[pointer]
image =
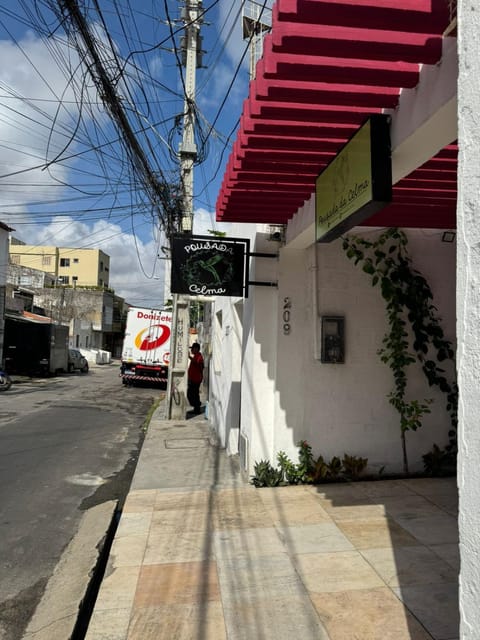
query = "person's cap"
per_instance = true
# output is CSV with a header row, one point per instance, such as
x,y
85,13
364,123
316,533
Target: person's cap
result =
x,y
195,344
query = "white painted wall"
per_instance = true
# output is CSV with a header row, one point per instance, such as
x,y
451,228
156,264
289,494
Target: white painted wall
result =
x,y
259,361
225,370
468,311
241,375
82,329
288,395
343,408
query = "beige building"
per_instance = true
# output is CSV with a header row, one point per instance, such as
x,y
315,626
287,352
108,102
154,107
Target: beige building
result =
x,y
69,266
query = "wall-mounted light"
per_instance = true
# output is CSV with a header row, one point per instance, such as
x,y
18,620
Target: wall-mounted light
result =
x,y
333,339
448,236
277,233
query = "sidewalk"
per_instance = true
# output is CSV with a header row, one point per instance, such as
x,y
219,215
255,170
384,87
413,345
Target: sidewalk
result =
x,y
201,555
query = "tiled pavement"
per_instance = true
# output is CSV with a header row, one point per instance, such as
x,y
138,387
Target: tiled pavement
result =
x,y
200,555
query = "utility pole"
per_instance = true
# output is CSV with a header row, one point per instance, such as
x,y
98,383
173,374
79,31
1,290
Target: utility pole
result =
x,y
188,148
190,51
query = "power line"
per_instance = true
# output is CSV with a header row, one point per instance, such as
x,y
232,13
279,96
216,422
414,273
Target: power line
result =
x,y
133,61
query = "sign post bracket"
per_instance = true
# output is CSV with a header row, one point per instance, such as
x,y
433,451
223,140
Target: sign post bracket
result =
x,y
262,255
257,283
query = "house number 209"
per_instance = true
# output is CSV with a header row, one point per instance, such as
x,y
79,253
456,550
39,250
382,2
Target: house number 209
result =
x,y
287,305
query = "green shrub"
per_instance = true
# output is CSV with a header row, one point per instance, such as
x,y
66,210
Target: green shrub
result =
x,y
308,470
439,462
353,466
288,468
265,475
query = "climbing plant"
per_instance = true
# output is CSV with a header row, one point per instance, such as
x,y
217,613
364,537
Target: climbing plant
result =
x,y
414,329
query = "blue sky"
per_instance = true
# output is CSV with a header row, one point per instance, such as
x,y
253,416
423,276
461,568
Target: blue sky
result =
x,y
64,177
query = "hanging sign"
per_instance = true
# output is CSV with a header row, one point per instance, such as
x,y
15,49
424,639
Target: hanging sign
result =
x,y
357,183
209,265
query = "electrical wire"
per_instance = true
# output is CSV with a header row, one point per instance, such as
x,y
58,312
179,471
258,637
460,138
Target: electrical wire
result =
x,y
103,138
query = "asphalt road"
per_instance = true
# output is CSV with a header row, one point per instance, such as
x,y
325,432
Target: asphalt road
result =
x,y
66,444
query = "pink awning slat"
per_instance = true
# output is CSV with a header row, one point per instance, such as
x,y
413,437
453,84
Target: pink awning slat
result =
x,y
327,66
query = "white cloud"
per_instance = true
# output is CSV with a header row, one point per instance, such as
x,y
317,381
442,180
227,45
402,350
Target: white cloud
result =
x,y
137,265
38,113
136,272
34,129
204,220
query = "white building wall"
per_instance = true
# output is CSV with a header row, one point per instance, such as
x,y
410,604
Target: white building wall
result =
x,y
343,408
287,394
468,311
241,389
259,365
295,348
80,334
225,371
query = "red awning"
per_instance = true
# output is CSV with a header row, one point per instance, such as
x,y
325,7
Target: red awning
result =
x,y
328,65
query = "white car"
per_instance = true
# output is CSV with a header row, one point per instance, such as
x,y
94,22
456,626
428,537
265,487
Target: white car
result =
x,y
77,361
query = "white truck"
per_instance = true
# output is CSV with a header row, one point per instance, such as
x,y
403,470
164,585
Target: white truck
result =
x,y
146,346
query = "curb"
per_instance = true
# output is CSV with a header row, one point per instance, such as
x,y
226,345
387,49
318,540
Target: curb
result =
x,y
56,616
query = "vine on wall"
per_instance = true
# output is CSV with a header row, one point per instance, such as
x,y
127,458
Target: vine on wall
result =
x,y
410,313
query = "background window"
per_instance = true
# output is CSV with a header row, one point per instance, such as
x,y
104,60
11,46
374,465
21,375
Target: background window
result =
x,y
64,262
46,261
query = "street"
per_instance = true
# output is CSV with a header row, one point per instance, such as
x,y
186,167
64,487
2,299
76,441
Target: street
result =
x,y
66,444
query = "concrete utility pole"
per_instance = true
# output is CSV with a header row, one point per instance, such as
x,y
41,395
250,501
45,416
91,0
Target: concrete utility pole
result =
x,y
188,148
177,383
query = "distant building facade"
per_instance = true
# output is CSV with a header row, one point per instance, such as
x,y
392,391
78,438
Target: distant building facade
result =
x,y
95,315
68,266
21,285
96,318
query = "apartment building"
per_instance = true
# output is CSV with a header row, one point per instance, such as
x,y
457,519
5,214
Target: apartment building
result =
x,y
69,266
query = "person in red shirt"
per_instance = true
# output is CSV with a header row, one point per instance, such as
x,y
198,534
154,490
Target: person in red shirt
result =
x,y
195,377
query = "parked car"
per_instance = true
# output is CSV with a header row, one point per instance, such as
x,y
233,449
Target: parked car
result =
x,y
77,361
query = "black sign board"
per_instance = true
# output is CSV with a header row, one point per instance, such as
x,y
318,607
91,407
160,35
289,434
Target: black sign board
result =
x,y
209,266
